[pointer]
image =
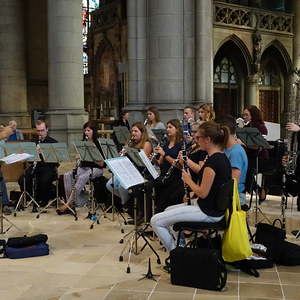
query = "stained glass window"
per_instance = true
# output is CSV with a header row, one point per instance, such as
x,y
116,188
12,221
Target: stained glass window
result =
x,y
87,7
225,72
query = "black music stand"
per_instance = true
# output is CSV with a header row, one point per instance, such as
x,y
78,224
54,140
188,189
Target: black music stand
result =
x,y
122,135
109,150
29,148
55,153
88,152
131,178
251,137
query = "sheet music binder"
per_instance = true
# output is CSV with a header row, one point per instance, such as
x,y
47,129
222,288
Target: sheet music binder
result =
x,y
22,147
88,151
122,134
125,171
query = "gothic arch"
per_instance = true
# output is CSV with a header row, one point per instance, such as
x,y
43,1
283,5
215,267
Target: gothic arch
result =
x,y
243,50
287,62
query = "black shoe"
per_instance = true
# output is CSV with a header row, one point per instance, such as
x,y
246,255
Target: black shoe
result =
x,y
167,267
262,195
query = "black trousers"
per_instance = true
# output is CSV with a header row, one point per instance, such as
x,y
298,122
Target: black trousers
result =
x,y
44,188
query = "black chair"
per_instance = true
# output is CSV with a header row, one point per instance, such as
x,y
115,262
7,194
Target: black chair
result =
x,y
223,202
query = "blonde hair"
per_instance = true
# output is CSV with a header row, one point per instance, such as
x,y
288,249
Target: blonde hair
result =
x,y
208,108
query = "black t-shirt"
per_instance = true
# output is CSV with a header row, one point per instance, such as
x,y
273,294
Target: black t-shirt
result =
x,y
222,168
172,152
196,157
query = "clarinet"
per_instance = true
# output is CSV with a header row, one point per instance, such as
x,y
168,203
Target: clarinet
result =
x,y
170,170
185,167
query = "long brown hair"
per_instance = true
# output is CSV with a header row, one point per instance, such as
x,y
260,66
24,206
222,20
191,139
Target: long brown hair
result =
x,y
92,125
179,132
144,135
154,110
256,114
218,133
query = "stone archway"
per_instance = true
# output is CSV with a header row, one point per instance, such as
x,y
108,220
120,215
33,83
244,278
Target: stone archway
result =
x,y
232,64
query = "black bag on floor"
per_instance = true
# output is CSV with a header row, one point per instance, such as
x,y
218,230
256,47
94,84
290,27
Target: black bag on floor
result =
x,y
272,237
19,242
290,254
198,268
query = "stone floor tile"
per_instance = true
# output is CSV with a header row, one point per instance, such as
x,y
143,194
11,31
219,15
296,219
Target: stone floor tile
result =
x,y
261,290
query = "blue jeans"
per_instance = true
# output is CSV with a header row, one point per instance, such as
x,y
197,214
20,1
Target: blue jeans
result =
x,y
162,222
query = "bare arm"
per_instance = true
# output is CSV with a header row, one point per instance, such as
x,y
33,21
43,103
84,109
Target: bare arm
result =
x,y
203,189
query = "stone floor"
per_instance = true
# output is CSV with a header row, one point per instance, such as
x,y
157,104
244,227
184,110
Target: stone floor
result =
x,y
84,264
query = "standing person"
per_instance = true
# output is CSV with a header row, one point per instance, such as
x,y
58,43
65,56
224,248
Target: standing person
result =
x,y
171,191
44,173
216,171
206,112
153,121
84,171
237,157
253,118
296,134
139,139
124,119
17,134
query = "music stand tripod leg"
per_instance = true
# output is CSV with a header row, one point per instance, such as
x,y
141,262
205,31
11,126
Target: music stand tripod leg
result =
x,y
92,215
3,218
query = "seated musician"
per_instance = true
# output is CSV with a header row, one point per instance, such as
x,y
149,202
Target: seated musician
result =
x,y
139,140
44,173
84,170
171,190
216,170
4,133
237,157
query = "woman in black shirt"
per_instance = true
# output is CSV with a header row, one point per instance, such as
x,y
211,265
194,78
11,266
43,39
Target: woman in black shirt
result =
x,y
216,170
171,191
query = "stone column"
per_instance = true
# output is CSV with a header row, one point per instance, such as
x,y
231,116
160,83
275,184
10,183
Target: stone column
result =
x,y
66,99
252,90
204,51
137,57
13,86
296,48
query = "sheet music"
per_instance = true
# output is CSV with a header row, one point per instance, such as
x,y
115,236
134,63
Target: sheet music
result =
x,y
15,157
124,170
148,164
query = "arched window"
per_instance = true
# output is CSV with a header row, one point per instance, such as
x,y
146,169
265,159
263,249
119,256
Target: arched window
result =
x,y
225,72
269,76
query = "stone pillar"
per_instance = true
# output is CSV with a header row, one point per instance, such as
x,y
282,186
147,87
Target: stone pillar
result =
x,y
137,57
296,48
204,51
66,113
13,86
252,90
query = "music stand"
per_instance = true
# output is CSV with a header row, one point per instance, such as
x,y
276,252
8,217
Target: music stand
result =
x,y
55,153
251,137
30,148
2,217
122,134
130,178
88,152
161,135
109,150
